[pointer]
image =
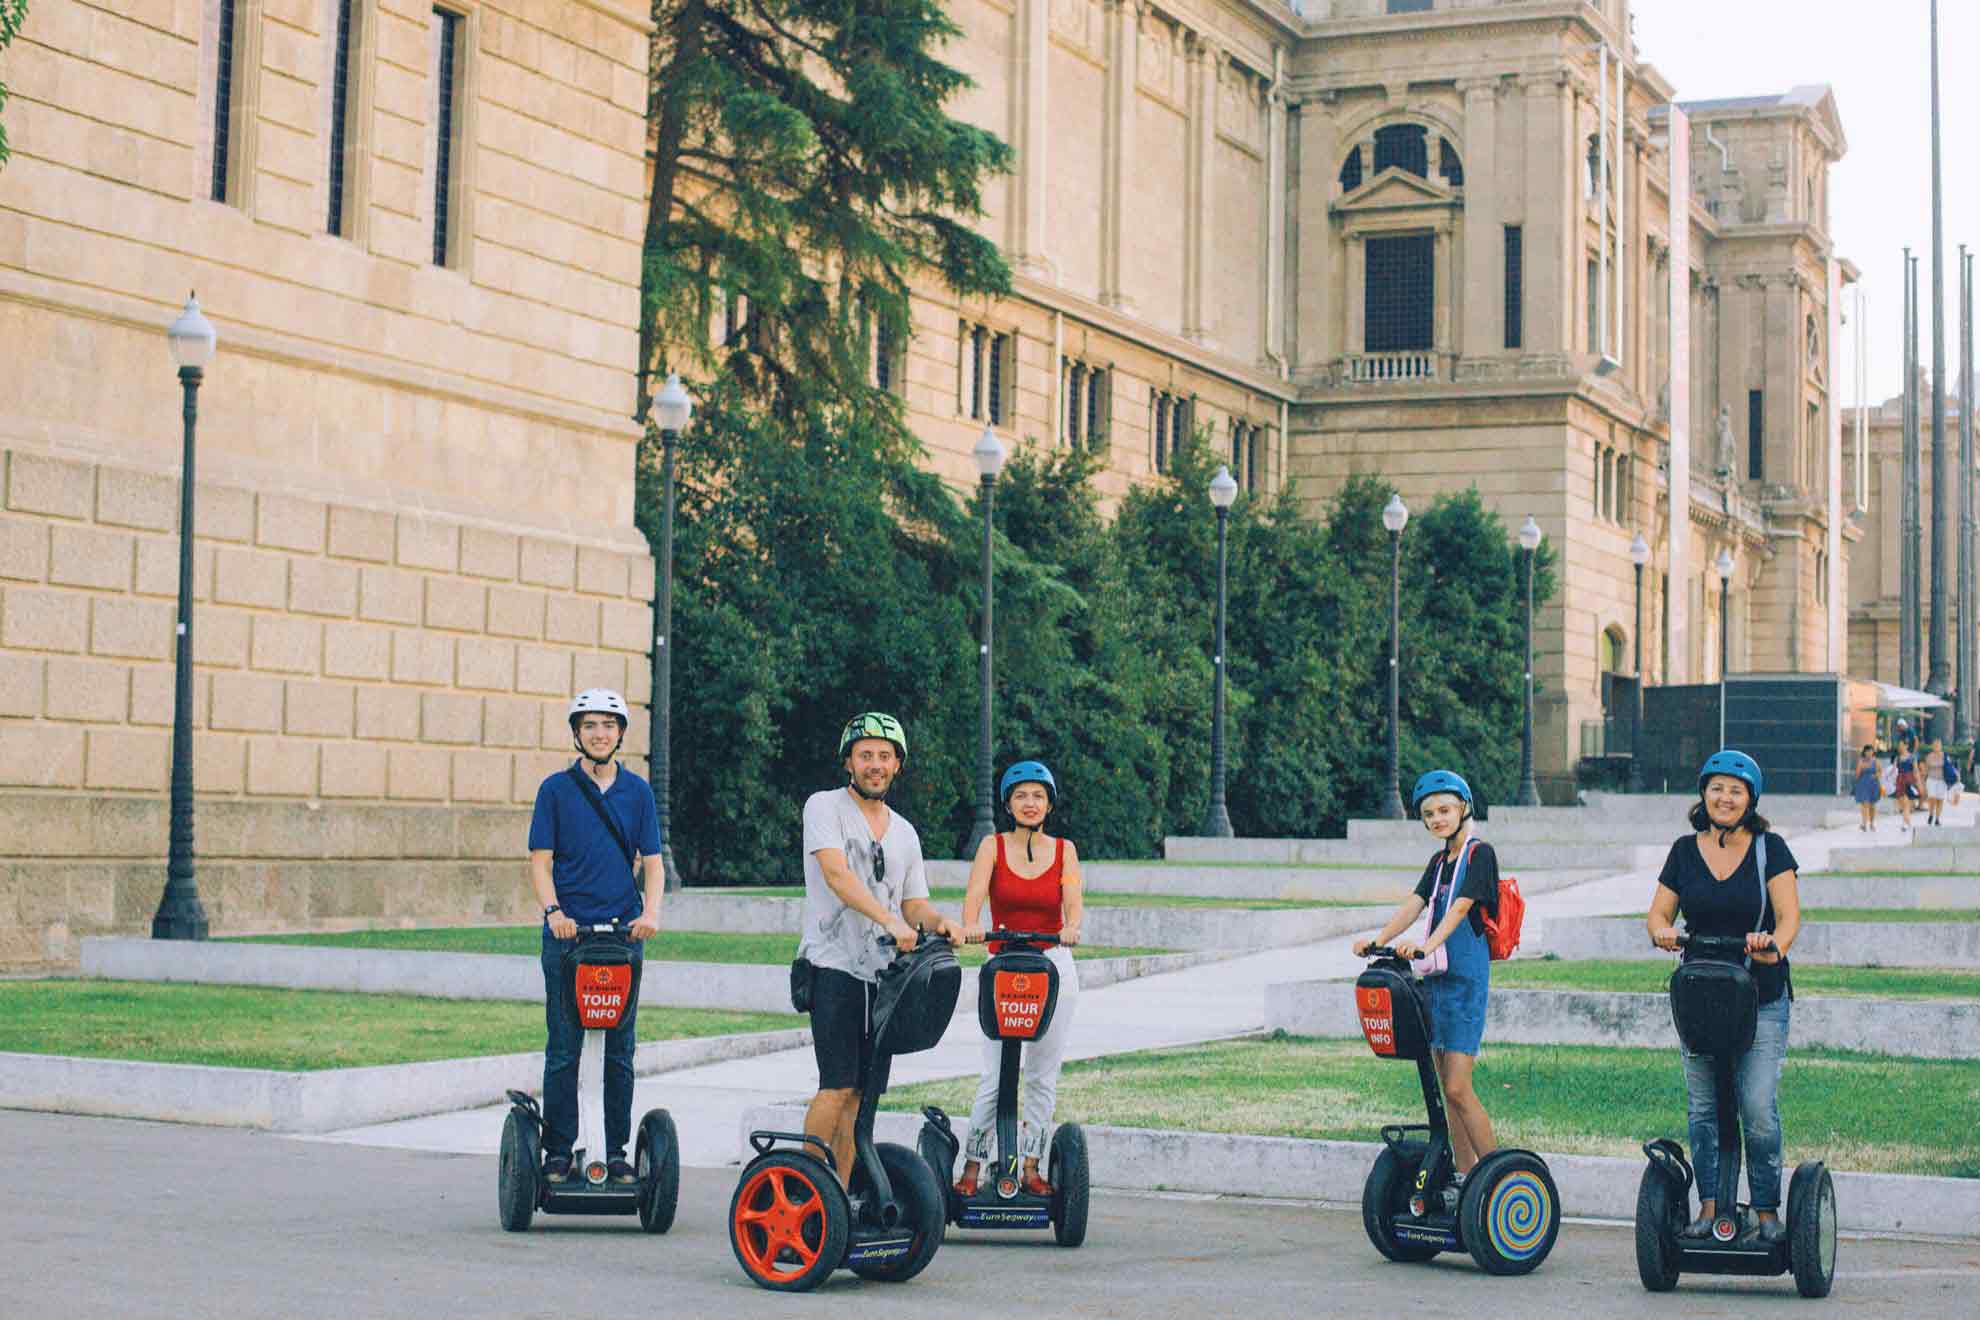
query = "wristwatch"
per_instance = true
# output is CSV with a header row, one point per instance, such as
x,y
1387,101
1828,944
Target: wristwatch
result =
x,y
552,908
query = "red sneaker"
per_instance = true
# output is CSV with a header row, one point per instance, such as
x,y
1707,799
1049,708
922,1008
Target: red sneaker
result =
x,y
966,1186
1036,1185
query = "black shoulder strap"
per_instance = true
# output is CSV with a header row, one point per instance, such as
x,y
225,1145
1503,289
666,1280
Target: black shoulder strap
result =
x,y
597,801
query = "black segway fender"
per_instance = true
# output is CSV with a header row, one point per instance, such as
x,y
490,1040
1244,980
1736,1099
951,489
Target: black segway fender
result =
x,y
939,1146
519,1167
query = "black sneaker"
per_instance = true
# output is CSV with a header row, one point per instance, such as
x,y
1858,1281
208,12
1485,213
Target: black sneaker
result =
x,y
1773,1231
619,1171
556,1168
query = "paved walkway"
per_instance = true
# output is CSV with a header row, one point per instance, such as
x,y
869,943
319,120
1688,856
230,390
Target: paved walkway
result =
x,y
1207,1002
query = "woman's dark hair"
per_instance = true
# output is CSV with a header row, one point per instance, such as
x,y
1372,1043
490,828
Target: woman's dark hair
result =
x,y
1868,750
1752,822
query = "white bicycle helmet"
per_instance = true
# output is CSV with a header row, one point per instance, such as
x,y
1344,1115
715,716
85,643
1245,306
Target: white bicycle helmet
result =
x,y
599,701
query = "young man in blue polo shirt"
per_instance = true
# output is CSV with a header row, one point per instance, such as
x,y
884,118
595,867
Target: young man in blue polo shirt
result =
x,y
589,823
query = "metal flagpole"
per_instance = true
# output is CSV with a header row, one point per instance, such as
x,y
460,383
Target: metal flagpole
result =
x,y
1939,681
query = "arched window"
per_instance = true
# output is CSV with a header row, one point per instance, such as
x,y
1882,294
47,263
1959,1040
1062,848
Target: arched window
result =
x,y
1405,146
1448,163
1612,650
1351,171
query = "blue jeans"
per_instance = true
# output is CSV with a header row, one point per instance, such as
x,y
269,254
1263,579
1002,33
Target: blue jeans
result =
x,y
564,1044
1759,1078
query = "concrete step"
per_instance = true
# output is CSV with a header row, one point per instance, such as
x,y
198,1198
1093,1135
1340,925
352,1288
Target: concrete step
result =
x,y
1127,927
1911,1028
1575,827
1934,857
1838,944
1890,891
1403,855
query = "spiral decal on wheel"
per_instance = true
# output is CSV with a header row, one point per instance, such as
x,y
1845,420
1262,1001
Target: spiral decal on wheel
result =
x,y
1518,1214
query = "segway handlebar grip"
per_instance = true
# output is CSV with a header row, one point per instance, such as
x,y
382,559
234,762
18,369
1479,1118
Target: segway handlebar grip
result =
x,y
1378,951
1722,945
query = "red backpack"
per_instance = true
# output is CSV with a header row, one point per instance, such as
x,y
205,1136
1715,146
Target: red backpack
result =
x,y
1502,931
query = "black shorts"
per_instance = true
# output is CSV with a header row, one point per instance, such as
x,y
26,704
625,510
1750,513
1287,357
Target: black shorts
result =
x,y
841,1015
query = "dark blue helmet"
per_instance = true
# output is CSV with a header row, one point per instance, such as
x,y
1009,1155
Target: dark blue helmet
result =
x,y
1439,781
1028,772
1737,764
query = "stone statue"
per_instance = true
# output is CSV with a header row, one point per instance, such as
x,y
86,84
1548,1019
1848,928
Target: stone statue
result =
x,y
1727,452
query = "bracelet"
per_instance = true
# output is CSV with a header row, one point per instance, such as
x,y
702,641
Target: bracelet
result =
x,y
552,908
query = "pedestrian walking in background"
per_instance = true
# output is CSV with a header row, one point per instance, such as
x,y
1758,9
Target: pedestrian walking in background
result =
x,y
1905,785
1867,788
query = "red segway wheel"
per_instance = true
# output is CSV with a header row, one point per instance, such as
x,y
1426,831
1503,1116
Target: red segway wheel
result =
x,y
789,1221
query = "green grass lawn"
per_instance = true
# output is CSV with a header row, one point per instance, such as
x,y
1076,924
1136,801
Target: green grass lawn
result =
x,y
1856,1111
1651,976
667,946
1881,915
298,1030
1102,898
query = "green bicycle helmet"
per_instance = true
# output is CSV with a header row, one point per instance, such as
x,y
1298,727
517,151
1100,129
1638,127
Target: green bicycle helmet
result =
x,y
873,724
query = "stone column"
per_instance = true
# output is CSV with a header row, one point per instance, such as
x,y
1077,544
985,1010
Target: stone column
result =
x,y
1275,217
1034,22
1205,64
1444,294
1483,295
1318,303
1553,183
1677,560
1123,42
1354,285
1837,658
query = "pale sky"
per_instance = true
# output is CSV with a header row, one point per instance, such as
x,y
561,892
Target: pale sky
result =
x,y
1876,55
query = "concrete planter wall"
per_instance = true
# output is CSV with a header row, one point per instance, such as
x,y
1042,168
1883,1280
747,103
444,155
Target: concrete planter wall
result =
x,y
1841,944
320,1101
1935,858
1889,891
1594,856
1595,1186
1926,1029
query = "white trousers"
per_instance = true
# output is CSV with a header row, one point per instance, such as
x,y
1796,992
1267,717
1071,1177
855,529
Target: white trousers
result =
x,y
1038,1072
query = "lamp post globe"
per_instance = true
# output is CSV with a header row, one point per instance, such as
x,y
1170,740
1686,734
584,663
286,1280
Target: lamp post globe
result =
x,y
180,915
1639,555
1217,820
1395,517
1530,537
673,408
989,458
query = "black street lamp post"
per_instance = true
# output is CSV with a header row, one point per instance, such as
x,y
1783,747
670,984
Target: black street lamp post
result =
x,y
1217,821
1639,555
1724,565
1395,516
989,456
673,409
1529,792
180,914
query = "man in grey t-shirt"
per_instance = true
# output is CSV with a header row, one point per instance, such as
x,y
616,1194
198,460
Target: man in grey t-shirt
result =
x,y
863,877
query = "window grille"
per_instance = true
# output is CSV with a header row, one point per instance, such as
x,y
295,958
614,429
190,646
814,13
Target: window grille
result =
x,y
1160,428
1096,406
1448,163
340,109
1515,286
1075,381
1401,293
1405,146
1411,6
999,345
223,101
1351,171
443,167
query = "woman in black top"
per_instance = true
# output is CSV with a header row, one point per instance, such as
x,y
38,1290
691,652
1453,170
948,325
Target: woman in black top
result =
x,y
1713,877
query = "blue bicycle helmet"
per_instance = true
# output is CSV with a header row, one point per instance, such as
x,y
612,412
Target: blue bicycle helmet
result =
x,y
1439,781
1737,764
1028,772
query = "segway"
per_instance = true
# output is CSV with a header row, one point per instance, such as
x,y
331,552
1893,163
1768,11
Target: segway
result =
x,y
1506,1212
605,983
1015,994
1714,1005
791,1222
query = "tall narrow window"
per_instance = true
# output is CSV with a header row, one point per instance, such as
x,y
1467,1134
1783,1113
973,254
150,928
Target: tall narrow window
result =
x,y
1594,306
999,345
340,112
1449,164
1400,293
445,124
1097,400
976,337
1075,377
1515,287
1159,425
223,101
1756,436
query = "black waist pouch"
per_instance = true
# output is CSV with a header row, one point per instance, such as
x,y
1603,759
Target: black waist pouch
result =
x,y
802,974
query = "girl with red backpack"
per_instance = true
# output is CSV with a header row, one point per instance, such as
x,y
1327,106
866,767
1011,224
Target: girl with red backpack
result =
x,y
1460,886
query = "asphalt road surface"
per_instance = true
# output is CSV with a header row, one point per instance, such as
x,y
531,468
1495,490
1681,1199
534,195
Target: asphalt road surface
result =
x,y
115,1218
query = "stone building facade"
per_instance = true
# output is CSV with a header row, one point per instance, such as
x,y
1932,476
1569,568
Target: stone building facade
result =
x,y
416,230
1419,239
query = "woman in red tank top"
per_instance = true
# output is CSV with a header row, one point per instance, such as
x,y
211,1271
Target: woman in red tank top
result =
x,y
1031,881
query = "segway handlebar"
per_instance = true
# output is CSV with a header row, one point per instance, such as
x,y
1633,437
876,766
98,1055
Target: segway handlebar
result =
x,y
1721,946
920,933
1021,937
1379,951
